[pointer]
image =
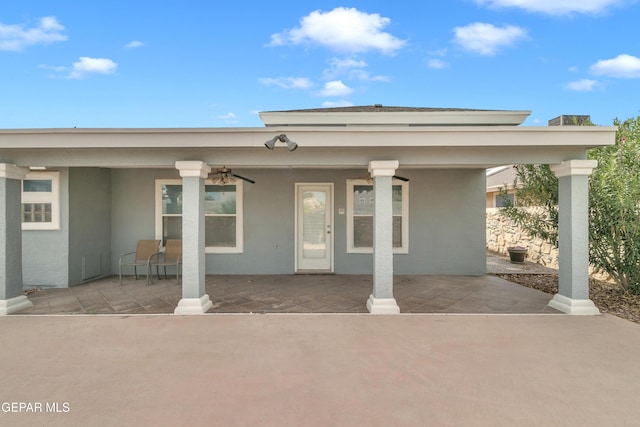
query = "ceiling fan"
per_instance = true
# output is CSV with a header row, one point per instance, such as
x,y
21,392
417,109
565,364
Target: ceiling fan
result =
x,y
223,176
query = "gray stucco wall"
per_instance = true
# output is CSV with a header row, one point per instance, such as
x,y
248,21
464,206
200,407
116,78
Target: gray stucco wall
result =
x,y
45,253
89,224
446,217
133,208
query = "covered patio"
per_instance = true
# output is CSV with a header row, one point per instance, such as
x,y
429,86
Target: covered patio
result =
x,y
375,197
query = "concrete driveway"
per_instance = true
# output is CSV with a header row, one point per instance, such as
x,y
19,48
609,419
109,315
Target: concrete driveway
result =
x,y
320,370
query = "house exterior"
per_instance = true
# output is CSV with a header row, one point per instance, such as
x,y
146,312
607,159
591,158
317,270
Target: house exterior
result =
x,y
368,190
498,179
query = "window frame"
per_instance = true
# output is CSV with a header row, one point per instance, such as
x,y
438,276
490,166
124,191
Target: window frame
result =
x,y
351,183
238,248
52,197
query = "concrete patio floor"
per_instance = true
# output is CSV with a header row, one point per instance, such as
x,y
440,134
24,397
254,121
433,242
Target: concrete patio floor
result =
x,y
295,294
304,294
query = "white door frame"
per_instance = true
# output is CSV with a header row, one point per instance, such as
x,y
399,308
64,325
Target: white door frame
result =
x,y
329,187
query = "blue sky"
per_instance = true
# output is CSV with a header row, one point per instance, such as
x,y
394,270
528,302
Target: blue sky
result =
x,y
216,64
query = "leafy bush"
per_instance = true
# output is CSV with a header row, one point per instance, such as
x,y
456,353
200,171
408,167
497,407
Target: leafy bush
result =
x,y
614,206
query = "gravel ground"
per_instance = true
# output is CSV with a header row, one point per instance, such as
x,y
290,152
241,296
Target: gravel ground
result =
x,y
608,297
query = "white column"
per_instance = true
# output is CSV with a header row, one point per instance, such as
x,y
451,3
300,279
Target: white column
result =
x,y
194,297
381,300
573,237
11,297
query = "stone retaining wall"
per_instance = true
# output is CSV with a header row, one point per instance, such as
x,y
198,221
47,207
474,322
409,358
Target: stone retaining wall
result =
x,y
503,233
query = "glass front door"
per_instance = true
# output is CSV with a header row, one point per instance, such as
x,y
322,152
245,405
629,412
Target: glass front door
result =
x,y
314,227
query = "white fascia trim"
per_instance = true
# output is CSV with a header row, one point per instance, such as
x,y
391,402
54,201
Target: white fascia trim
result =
x,y
406,118
312,136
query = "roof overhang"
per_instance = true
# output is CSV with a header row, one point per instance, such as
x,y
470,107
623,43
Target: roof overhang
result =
x,y
339,147
329,137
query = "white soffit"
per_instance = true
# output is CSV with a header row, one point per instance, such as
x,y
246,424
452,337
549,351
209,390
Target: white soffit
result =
x,y
395,118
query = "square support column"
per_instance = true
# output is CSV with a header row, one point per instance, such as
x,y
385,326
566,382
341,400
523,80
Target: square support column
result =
x,y
11,297
194,297
381,300
573,237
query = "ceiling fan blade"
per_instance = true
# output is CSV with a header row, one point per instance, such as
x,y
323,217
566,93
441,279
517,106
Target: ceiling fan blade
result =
x,y
243,178
401,178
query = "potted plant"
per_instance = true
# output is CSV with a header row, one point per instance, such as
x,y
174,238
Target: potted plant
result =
x,y
517,254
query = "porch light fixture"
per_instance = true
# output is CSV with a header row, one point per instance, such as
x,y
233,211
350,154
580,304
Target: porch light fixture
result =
x,y
271,144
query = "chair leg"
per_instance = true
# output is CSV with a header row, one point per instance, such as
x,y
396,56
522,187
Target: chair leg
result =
x,y
120,274
135,271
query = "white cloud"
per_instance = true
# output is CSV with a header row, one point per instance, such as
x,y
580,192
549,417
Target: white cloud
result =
x,y
366,76
57,69
348,63
341,66
287,82
342,29
584,85
350,67
229,118
439,52
622,66
437,64
486,39
17,37
554,7
333,104
335,88
133,44
87,65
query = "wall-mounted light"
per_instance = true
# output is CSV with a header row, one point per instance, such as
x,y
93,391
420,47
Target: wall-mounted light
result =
x,y
271,144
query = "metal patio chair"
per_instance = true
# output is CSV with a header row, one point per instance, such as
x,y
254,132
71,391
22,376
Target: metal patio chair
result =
x,y
171,257
141,257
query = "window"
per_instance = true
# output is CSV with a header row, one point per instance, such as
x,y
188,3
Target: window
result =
x,y
360,200
41,201
500,199
223,214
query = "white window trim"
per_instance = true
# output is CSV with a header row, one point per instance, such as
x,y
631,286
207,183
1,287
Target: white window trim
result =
x,y
52,197
239,248
405,217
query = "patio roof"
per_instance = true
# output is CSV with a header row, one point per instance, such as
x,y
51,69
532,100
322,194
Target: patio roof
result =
x,y
320,146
